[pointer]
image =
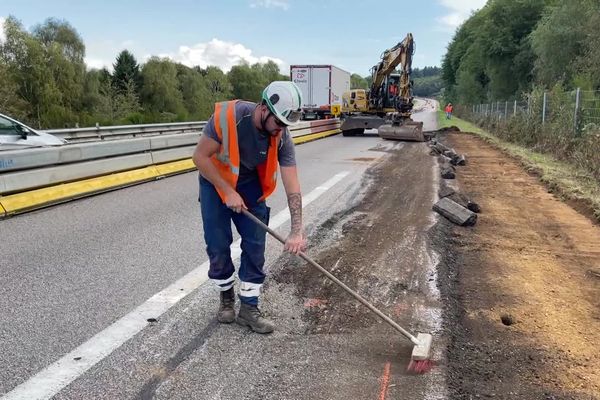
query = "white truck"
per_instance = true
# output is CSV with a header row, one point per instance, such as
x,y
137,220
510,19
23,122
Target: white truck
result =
x,y
322,86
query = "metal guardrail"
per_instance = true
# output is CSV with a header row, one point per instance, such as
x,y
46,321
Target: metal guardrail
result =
x,y
28,169
92,134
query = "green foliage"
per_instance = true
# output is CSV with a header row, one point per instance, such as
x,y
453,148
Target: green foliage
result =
x,y
556,137
358,82
47,69
427,82
490,56
246,82
160,91
126,72
557,41
512,49
44,82
426,72
509,46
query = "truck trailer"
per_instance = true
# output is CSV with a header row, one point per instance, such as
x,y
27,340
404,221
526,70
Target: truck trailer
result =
x,y
322,86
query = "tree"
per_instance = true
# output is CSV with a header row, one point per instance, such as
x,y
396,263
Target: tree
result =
x,y
64,52
10,102
26,62
54,31
270,72
247,82
126,72
195,93
490,56
160,89
358,82
127,103
218,86
587,65
559,41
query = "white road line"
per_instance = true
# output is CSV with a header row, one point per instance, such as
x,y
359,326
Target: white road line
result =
x,y
56,376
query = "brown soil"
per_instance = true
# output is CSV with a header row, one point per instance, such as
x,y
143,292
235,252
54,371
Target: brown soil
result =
x,y
521,288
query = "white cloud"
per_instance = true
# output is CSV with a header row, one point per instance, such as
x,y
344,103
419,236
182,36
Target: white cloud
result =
x,y
219,53
2,19
284,4
103,53
458,11
97,63
215,52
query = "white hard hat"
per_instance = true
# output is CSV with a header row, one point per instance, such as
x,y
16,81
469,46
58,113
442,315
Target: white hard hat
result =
x,y
283,98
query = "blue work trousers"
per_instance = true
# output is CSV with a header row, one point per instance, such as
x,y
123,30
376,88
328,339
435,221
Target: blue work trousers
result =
x,y
216,219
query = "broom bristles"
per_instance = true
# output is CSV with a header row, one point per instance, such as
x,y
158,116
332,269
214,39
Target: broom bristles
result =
x,y
420,366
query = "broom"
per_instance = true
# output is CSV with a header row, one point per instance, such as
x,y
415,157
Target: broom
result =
x,y
420,358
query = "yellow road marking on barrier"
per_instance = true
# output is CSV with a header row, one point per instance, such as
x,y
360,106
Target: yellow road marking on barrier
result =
x,y
176,167
37,198
65,191
314,136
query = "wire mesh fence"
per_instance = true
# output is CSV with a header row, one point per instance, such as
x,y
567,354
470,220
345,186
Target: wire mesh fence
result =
x,y
563,123
579,107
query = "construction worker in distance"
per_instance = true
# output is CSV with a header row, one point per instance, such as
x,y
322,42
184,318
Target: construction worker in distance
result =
x,y
237,156
448,111
393,90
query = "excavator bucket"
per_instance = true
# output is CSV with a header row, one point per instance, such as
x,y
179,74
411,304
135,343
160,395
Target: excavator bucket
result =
x,y
409,130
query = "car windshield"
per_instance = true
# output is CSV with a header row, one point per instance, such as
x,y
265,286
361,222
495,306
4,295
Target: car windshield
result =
x,y
7,127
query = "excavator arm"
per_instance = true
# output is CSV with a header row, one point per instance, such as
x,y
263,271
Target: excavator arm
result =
x,y
400,54
386,108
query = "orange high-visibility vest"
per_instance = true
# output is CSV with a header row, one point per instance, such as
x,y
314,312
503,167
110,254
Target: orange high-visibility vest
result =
x,y
227,159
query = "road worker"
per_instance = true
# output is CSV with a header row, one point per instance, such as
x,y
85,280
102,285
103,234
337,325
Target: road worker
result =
x,y
448,110
237,156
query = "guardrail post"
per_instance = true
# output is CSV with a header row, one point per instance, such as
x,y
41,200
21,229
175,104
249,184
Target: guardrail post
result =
x,y
577,96
544,108
515,109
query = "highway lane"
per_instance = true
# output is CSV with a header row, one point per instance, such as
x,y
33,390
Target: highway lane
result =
x,y
70,271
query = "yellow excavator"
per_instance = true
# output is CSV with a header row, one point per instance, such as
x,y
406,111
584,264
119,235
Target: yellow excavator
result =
x,y
387,104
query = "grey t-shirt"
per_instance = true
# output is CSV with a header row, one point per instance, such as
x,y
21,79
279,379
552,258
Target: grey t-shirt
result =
x,y
252,143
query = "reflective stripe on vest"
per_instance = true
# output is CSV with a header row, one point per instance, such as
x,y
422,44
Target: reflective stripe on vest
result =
x,y
224,130
227,159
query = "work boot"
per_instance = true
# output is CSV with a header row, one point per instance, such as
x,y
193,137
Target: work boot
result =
x,y
226,313
251,316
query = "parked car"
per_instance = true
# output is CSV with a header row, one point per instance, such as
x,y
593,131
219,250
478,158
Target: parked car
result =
x,y
16,135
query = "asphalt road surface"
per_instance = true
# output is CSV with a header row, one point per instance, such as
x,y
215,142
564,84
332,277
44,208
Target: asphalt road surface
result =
x,y
107,298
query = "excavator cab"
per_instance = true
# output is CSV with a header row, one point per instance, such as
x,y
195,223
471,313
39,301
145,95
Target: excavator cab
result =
x,y
392,92
354,101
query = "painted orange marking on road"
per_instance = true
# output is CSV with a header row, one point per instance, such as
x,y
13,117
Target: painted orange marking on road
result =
x,y
385,381
310,303
400,309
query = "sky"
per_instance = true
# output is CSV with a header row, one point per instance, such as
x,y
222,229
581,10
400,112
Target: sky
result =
x,y
350,34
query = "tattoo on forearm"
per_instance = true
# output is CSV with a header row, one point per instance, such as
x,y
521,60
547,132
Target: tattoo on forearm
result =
x,y
295,205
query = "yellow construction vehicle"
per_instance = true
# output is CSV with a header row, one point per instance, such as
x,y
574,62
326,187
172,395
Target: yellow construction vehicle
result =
x,y
387,104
